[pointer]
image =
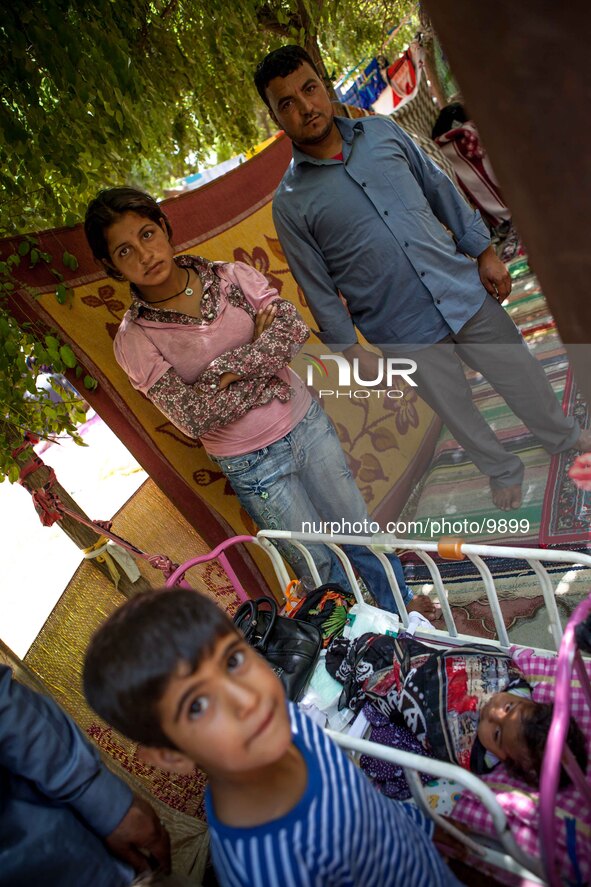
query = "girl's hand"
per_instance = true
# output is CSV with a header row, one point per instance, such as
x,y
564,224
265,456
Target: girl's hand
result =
x,y
227,379
263,320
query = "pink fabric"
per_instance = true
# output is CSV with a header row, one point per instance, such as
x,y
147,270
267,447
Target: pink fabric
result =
x,y
147,349
520,802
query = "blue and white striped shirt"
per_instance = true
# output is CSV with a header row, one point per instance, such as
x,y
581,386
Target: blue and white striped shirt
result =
x,y
341,833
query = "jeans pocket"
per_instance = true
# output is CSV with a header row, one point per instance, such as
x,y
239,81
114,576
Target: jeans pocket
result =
x,y
235,465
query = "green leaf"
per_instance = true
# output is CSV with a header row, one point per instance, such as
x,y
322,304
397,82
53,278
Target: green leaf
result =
x,y
34,257
23,247
61,294
52,342
13,474
90,384
70,261
70,220
68,356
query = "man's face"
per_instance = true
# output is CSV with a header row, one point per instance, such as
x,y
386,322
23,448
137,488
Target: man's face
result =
x,y
228,717
300,105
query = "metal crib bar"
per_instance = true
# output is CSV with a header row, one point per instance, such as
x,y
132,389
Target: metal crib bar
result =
x,y
491,593
416,789
348,570
394,587
450,622
549,600
445,770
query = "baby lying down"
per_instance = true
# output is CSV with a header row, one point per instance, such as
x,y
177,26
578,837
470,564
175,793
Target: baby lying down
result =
x,y
471,706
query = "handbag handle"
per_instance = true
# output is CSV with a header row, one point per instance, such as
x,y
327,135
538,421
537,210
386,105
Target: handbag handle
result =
x,y
249,612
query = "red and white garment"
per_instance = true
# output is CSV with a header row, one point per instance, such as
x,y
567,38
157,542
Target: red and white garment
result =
x,y
462,146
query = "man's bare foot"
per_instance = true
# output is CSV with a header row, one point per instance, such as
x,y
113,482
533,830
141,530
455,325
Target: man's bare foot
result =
x,y
507,498
423,605
583,442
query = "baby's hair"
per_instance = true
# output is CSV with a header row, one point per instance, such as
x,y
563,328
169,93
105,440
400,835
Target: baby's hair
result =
x,y
536,726
133,655
107,208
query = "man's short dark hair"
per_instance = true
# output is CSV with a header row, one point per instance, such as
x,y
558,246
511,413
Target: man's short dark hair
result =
x,y
133,655
280,63
107,208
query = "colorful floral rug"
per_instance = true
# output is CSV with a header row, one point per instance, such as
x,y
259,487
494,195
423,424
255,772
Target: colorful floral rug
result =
x,y
566,511
455,491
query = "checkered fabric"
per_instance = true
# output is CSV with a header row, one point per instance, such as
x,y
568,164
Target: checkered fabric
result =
x,y
520,802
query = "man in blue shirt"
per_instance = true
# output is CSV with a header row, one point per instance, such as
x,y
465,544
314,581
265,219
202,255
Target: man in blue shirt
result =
x,y
65,820
361,212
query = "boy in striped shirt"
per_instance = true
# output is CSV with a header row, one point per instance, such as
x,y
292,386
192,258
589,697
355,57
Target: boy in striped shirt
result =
x,y
284,805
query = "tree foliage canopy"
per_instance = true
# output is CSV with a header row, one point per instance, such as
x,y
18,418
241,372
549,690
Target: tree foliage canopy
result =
x,y
100,94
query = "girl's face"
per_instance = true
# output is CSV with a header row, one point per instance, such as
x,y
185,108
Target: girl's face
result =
x,y
140,250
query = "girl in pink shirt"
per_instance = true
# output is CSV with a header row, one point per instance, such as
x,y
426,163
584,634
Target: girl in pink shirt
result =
x,y
209,344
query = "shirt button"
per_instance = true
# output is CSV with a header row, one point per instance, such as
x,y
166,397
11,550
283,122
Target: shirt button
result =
x,y
385,212
364,184
406,242
422,273
438,301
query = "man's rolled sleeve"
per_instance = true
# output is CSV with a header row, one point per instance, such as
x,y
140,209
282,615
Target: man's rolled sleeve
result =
x,y
104,802
475,239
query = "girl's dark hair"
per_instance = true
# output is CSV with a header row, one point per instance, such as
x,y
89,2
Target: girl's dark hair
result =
x,y
106,209
133,655
280,63
536,726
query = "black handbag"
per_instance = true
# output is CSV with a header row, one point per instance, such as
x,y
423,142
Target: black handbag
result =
x,y
291,647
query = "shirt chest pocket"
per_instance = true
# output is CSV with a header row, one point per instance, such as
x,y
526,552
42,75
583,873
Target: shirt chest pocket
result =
x,y
405,187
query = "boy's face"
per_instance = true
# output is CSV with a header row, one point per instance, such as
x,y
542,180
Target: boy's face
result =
x,y
500,727
228,717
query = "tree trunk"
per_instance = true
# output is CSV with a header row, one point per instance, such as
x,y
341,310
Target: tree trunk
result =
x,y
428,44
81,535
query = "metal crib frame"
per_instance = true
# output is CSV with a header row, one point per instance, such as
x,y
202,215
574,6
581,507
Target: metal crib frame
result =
x,y
510,857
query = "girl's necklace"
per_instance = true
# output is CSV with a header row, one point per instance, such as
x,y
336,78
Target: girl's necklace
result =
x,y
187,290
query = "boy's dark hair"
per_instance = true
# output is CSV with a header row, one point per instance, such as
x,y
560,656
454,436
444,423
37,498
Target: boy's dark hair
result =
x,y
280,63
106,209
536,726
133,655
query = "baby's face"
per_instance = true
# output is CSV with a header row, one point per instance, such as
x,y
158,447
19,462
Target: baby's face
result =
x,y
500,727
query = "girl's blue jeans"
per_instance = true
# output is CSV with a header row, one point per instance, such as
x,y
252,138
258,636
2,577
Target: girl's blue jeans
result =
x,y
304,477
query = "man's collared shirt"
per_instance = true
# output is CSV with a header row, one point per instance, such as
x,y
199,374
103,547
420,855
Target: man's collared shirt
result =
x,y
371,228
57,800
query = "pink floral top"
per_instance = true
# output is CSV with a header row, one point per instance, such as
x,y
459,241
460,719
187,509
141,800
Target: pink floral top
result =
x,y
177,360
